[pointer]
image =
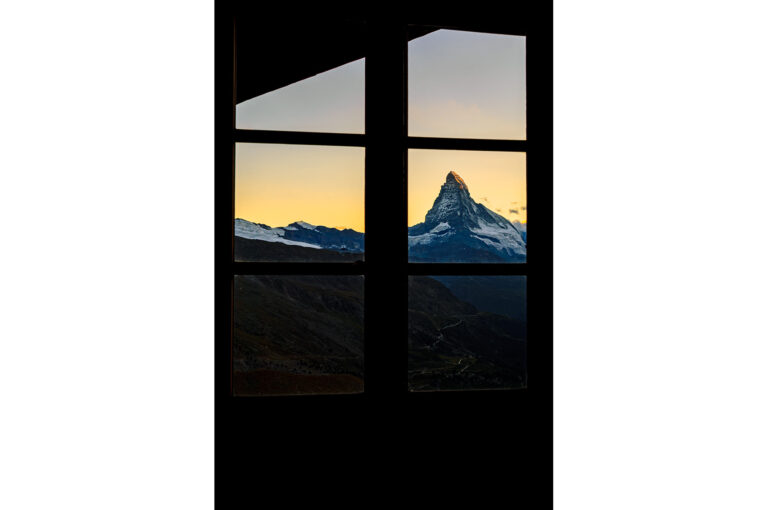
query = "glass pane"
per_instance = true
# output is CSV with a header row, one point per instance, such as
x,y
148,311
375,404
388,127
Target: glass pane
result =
x,y
299,203
297,335
333,101
466,206
466,332
466,85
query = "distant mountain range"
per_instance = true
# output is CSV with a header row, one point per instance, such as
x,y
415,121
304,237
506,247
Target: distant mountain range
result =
x,y
299,241
300,233
456,229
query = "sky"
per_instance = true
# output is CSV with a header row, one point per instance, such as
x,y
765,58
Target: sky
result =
x,y
461,84
494,179
329,102
278,184
466,85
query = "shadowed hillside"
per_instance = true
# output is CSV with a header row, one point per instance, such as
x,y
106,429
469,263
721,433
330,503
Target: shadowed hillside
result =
x,y
297,334
453,345
254,250
505,295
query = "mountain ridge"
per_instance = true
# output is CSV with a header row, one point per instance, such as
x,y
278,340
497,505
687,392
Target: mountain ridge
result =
x,y
455,229
301,233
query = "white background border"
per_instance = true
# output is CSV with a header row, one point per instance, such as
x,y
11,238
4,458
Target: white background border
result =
x,y
106,118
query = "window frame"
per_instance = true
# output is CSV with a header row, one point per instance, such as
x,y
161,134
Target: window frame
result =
x,y
386,267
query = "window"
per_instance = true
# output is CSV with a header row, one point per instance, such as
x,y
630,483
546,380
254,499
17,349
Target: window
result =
x,y
466,85
297,335
330,102
421,303
299,203
299,195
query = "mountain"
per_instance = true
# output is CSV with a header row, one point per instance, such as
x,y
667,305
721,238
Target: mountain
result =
x,y
297,335
303,238
453,345
504,295
458,229
302,334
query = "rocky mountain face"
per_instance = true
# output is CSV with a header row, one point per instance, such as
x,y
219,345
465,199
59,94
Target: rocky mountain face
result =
x,y
458,229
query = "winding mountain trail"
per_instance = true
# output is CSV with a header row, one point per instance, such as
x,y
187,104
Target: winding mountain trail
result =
x,y
460,321
440,336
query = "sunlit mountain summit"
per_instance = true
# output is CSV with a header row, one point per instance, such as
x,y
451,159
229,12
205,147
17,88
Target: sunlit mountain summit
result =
x,y
458,229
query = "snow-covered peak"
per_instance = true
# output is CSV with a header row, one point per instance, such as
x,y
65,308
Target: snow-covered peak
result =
x,y
458,228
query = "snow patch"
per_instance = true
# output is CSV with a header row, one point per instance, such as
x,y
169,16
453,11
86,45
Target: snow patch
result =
x,y
304,224
440,232
440,227
248,230
503,237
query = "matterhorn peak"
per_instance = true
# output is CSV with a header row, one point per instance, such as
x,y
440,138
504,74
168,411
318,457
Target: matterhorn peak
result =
x,y
458,229
454,179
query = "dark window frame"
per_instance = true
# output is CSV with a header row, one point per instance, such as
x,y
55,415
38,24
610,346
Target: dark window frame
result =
x,y
386,267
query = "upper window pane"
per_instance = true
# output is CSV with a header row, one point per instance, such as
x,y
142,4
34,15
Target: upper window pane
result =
x,y
329,102
299,203
467,85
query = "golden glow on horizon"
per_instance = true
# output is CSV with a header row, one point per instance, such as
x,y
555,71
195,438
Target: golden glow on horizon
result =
x,y
278,184
494,179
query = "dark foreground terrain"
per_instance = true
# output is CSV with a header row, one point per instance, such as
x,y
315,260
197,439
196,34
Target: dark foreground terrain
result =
x,y
253,250
304,334
297,335
505,295
454,345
